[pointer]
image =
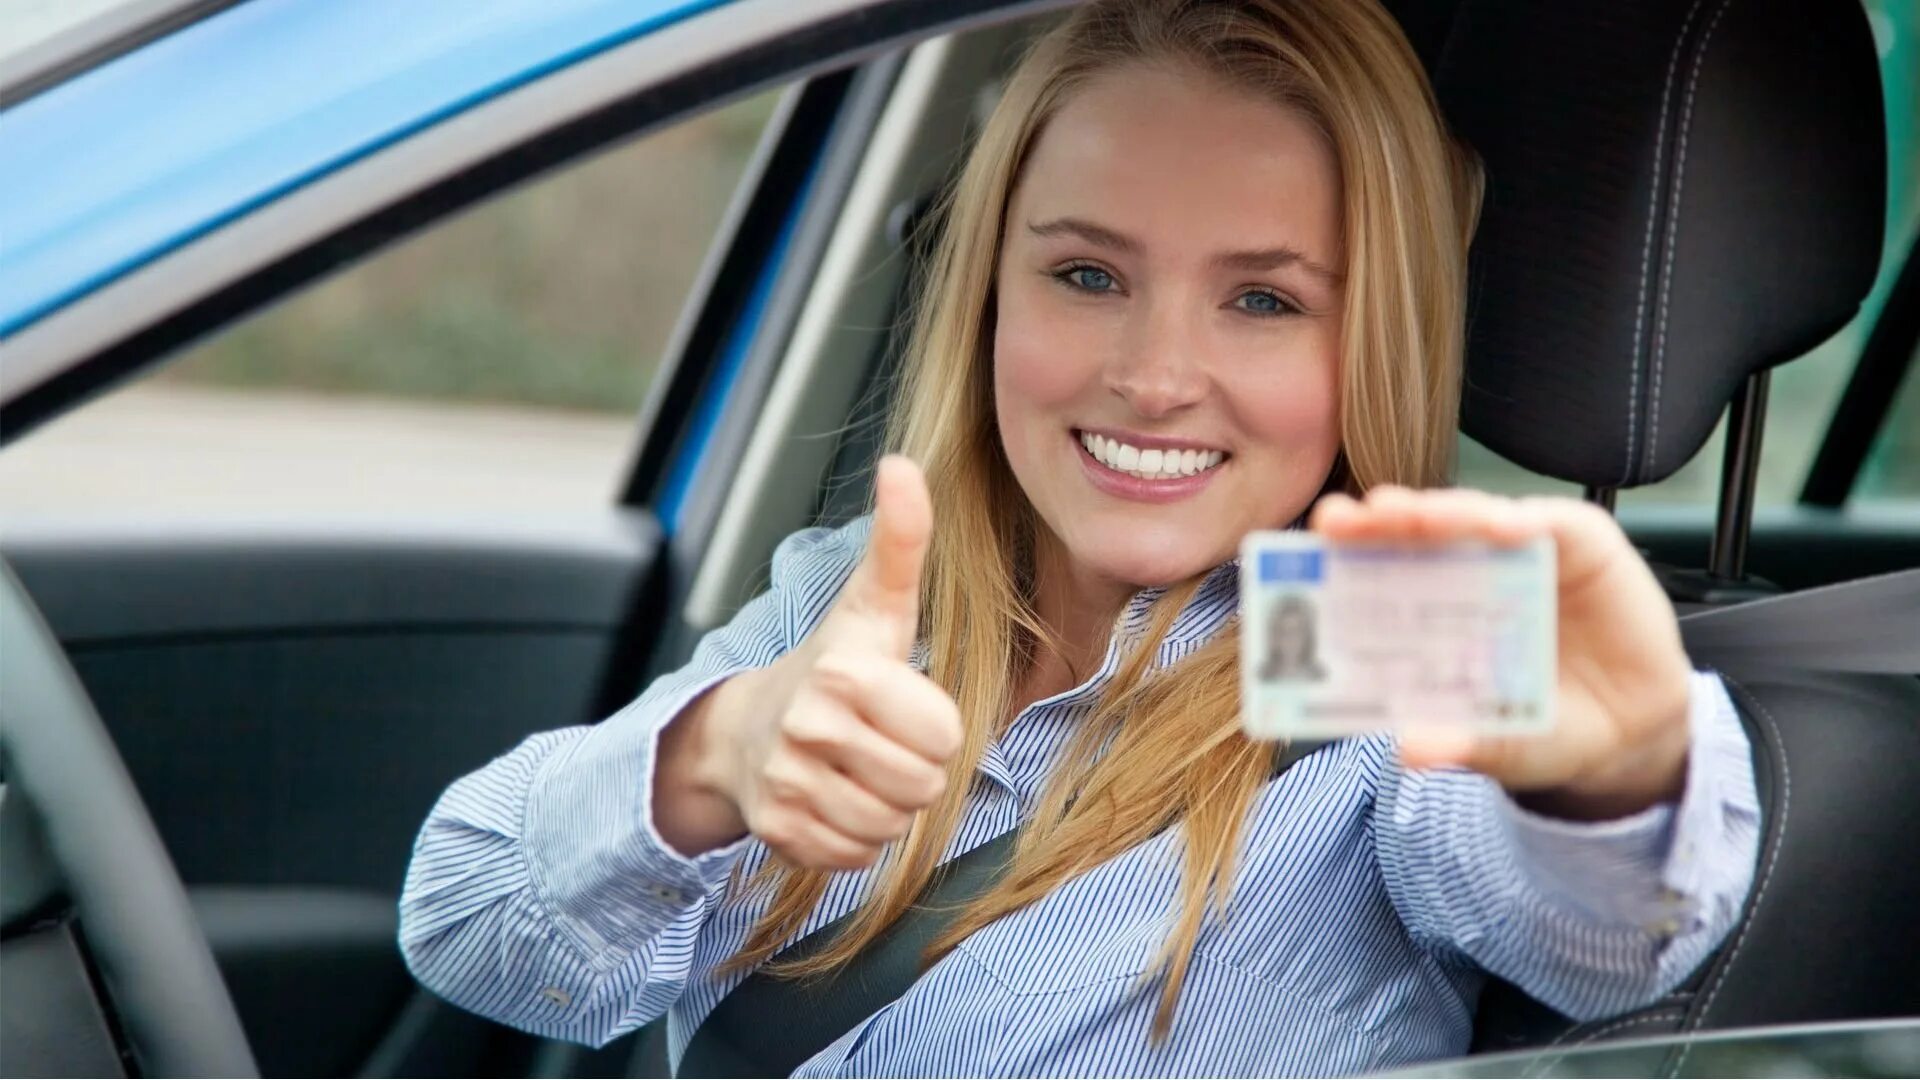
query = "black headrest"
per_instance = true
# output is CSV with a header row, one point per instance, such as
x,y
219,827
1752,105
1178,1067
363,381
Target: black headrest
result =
x,y
1680,193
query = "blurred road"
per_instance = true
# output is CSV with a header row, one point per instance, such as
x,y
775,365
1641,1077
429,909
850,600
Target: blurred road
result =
x,y
168,448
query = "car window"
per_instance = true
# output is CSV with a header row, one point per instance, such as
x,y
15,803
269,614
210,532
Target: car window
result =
x,y
494,362
1804,393
1891,473
25,24
1892,470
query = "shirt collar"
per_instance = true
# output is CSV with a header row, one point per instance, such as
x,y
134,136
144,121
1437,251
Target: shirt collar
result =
x,y
1209,610
1017,760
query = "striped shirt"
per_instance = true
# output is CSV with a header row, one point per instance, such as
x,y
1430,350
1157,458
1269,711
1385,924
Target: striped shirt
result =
x,y
1364,914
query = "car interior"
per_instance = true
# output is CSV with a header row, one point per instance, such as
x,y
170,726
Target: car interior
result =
x,y
1683,194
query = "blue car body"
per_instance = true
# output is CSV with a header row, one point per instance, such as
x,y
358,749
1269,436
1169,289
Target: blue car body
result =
x,y
123,163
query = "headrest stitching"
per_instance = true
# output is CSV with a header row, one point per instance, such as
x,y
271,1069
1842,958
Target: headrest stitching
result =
x,y
1673,232
1646,249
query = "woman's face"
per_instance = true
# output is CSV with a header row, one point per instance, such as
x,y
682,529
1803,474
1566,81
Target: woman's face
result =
x,y
1291,632
1169,295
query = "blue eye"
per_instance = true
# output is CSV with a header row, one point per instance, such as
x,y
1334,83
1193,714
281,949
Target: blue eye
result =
x,y
1259,302
1088,278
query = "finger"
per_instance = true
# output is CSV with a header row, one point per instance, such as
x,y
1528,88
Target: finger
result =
x,y
802,839
1518,762
827,728
1398,515
1587,540
1385,515
1462,514
895,775
887,581
1334,515
1434,746
899,702
850,809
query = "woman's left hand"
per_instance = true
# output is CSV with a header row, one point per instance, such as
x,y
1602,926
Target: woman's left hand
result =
x,y
1619,740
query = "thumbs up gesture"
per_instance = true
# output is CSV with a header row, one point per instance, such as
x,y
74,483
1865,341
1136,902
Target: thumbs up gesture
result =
x,y
827,753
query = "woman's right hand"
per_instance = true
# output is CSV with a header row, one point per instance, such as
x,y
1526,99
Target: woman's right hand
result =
x,y
827,753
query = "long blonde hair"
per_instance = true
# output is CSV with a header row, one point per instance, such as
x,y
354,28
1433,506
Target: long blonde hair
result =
x,y
1160,748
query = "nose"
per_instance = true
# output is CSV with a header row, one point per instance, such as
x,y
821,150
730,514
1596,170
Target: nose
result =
x,y
1158,369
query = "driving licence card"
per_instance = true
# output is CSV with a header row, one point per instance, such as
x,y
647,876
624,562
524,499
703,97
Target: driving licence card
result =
x,y
1339,639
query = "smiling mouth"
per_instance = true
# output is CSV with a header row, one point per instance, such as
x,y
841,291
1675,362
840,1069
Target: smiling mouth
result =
x,y
1149,464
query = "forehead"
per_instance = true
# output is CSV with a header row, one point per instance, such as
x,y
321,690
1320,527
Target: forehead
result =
x,y
1185,162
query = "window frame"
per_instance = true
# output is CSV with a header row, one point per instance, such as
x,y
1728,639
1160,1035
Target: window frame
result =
x,y
1873,388
720,55
94,41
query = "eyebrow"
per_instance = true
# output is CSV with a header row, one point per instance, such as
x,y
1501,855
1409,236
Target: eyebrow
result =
x,y
1088,231
1254,261
1274,259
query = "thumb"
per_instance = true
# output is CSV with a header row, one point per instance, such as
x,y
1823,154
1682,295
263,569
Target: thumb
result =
x,y
887,582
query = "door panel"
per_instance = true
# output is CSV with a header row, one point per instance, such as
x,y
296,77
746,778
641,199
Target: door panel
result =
x,y
311,759
283,948
291,698
1793,547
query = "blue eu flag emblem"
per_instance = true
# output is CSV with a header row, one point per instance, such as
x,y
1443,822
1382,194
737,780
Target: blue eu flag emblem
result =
x,y
1296,567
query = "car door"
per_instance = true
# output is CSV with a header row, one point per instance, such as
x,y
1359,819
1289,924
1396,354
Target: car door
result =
x,y
302,627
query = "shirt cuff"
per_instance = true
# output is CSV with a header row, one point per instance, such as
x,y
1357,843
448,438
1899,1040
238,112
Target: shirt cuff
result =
x,y
1653,869
595,855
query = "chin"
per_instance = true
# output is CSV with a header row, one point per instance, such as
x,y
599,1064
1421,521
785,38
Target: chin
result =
x,y
1145,560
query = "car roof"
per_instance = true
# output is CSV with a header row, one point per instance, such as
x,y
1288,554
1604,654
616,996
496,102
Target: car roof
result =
x,y
117,165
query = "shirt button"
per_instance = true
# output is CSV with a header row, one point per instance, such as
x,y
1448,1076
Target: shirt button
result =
x,y
670,895
557,996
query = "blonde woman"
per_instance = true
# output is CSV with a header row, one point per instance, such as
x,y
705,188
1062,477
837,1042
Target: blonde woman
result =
x,y
1203,272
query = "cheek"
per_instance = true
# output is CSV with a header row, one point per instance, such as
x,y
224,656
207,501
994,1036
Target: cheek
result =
x,y
1294,420
1042,363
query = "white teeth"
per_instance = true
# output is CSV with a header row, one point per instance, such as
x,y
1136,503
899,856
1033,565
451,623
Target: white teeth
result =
x,y
1149,464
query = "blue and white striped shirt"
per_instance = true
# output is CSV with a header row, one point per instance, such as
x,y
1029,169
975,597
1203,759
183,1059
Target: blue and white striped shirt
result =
x,y
1368,905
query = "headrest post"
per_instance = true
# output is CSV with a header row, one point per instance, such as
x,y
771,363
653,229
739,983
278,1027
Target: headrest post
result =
x,y
1739,476
1602,497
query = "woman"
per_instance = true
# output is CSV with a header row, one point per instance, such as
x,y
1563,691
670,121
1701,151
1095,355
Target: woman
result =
x,y
1204,267
1292,654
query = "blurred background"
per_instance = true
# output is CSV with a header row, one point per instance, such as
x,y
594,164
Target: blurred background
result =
x,y
498,361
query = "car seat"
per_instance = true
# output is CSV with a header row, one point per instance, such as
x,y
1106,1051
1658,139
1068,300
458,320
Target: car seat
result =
x,y
1683,194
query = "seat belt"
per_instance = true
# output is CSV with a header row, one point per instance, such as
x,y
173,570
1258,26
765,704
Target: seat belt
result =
x,y
770,1026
